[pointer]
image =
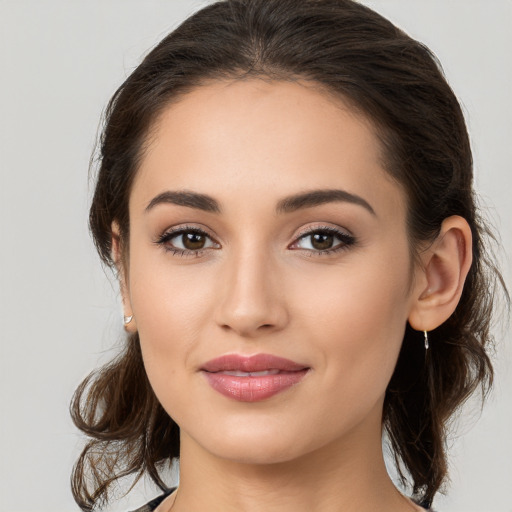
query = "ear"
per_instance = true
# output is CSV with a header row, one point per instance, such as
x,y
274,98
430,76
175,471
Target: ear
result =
x,y
440,280
122,273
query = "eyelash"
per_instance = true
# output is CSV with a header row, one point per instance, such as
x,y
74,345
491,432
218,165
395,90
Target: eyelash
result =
x,y
345,239
164,239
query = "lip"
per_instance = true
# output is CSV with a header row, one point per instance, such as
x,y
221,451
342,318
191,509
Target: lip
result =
x,y
284,374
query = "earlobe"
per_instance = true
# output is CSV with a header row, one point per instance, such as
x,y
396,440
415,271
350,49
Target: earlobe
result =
x,y
117,257
446,264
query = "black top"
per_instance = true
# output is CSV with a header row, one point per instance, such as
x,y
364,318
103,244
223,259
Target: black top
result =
x,y
151,506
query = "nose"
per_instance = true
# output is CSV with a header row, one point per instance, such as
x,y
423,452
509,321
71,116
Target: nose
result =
x,y
251,296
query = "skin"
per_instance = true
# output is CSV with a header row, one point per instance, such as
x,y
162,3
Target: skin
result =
x,y
258,287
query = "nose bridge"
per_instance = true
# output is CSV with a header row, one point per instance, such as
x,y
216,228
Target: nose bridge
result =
x,y
252,299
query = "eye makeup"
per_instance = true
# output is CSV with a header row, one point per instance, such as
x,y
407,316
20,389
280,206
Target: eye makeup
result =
x,y
191,241
323,240
186,241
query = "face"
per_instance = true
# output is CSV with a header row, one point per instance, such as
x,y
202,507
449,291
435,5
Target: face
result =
x,y
263,228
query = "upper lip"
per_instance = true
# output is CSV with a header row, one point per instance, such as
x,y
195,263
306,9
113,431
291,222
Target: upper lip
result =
x,y
255,363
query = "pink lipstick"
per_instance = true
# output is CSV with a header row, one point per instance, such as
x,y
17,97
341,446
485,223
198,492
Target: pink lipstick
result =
x,y
254,378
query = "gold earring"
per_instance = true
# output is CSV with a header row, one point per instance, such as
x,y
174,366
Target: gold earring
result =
x,y
425,336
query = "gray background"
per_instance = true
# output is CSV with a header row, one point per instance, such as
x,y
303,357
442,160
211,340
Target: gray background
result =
x,y
59,313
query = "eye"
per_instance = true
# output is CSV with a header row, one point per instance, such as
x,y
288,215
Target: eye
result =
x,y
324,240
186,241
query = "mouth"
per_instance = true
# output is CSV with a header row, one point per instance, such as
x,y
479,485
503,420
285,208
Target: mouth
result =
x,y
238,373
254,378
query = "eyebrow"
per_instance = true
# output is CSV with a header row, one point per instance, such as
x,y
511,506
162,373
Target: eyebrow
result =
x,y
287,205
185,198
319,197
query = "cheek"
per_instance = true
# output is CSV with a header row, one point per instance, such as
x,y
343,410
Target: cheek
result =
x,y
171,304
170,308
358,316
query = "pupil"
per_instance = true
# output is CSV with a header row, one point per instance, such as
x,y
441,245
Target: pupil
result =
x,y
193,241
322,241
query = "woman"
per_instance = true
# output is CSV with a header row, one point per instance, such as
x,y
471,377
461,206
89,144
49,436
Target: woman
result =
x,y
285,191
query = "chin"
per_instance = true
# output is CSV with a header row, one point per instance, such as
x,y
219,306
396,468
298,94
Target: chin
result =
x,y
257,446
258,454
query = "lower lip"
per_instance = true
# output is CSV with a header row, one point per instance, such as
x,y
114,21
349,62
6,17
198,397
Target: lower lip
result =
x,y
253,389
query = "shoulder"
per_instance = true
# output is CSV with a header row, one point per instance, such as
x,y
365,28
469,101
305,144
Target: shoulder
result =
x,y
151,505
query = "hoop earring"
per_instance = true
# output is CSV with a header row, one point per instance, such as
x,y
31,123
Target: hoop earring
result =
x,y
425,336
127,319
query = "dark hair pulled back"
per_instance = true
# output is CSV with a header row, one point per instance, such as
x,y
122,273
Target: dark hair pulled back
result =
x,y
350,51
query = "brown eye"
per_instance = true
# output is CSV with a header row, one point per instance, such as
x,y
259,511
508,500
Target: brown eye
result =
x,y
322,241
327,240
193,241
187,241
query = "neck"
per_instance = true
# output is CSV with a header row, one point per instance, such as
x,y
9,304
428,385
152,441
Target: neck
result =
x,y
348,475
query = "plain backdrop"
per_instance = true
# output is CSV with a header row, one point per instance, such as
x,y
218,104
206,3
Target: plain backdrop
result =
x,y
59,313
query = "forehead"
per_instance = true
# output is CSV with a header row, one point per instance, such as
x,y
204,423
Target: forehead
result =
x,y
263,138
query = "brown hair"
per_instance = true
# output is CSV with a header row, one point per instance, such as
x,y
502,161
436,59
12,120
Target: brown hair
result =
x,y
353,52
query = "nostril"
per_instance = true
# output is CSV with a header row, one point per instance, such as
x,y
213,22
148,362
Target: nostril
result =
x,y
264,326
